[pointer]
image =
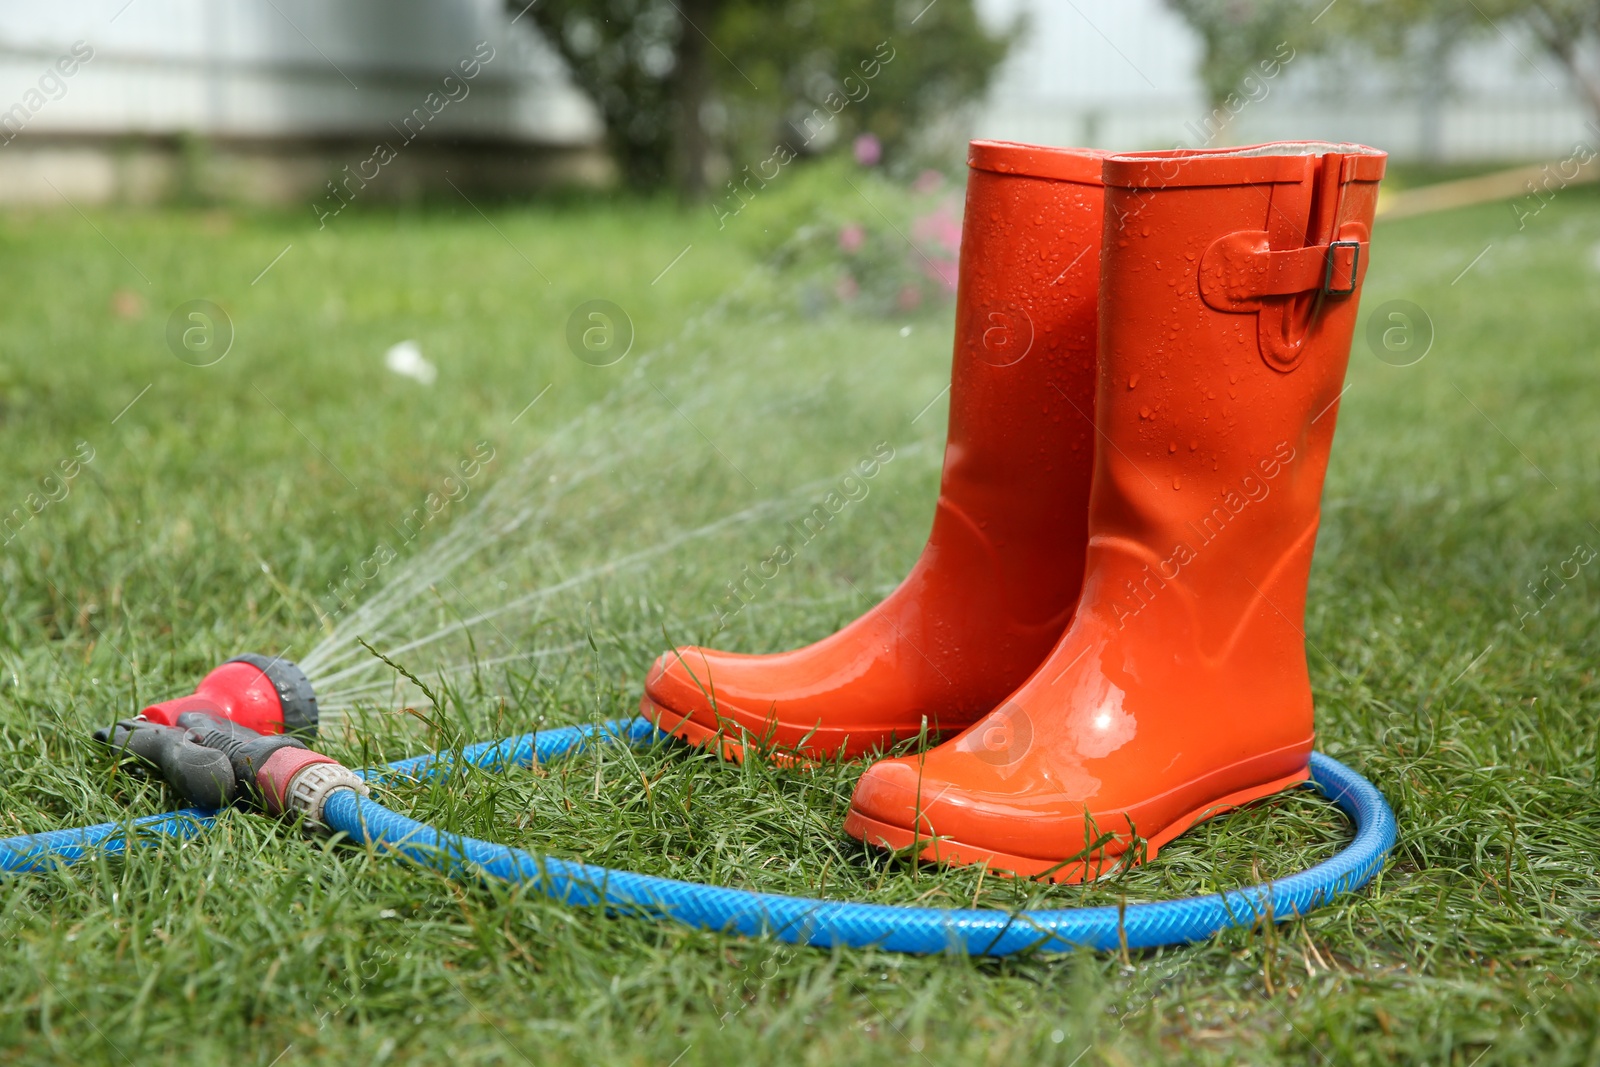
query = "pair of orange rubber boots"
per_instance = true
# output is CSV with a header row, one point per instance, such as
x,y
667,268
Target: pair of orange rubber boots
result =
x,y
1149,354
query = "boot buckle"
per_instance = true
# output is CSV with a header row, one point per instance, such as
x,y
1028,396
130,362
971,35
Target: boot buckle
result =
x,y
1352,272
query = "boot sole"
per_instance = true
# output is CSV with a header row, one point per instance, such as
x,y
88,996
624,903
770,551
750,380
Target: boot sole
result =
x,y
686,729
948,850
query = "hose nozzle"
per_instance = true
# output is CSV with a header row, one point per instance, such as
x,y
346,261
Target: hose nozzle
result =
x,y
238,738
269,696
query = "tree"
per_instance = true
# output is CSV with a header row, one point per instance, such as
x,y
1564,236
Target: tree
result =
x,y
1236,35
626,55
683,83
1562,27
1235,31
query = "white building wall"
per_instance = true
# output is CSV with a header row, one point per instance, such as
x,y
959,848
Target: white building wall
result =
x,y
1122,75
286,68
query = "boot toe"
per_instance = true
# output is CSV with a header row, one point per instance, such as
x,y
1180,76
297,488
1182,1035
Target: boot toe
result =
x,y
686,682
912,794
698,693
964,814
811,702
889,793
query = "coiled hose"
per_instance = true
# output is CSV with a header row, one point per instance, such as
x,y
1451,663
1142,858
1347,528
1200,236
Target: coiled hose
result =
x,y
799,920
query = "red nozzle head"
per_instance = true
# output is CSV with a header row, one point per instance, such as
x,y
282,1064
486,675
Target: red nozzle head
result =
x,y
270,696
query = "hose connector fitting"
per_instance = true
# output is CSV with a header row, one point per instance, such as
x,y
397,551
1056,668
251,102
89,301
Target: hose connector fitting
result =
x,y
299,781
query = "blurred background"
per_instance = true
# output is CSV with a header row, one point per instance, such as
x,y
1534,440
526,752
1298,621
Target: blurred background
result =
x,y
267,101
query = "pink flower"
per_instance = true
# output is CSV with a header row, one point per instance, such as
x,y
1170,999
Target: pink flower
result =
x,y
909,297
927,182
847,289
851,238
938,235
868,150
938,229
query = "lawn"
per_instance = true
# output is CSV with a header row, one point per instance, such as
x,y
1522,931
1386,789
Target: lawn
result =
x,y
297,498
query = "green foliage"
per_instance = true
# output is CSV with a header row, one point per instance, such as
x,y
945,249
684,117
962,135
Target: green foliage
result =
x,y
887,248
682,84
806,51
1238,35
623,53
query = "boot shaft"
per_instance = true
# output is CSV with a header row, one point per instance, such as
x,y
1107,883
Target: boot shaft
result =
x,y
1229,289
1227,303
1021,435
1000,575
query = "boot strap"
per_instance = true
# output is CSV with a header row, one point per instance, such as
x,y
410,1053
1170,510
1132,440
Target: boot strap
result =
x,y
1287,286
1241,268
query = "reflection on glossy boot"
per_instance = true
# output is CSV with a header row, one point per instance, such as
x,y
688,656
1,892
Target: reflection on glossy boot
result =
x,y
995,586
1228,299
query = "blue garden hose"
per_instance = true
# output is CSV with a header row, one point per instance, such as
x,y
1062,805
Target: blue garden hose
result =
x,y
36,852
799,920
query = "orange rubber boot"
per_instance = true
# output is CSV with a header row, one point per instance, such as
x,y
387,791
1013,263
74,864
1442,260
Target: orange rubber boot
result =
x,y
1228,299
995,586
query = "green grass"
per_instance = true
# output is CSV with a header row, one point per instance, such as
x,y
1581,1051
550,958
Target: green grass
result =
x,y
220,505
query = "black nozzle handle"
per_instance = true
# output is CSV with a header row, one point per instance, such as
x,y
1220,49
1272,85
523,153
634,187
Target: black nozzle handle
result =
x,y
246,750
203,776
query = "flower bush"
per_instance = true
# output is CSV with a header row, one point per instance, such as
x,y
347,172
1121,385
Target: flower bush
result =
x,y
843,231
